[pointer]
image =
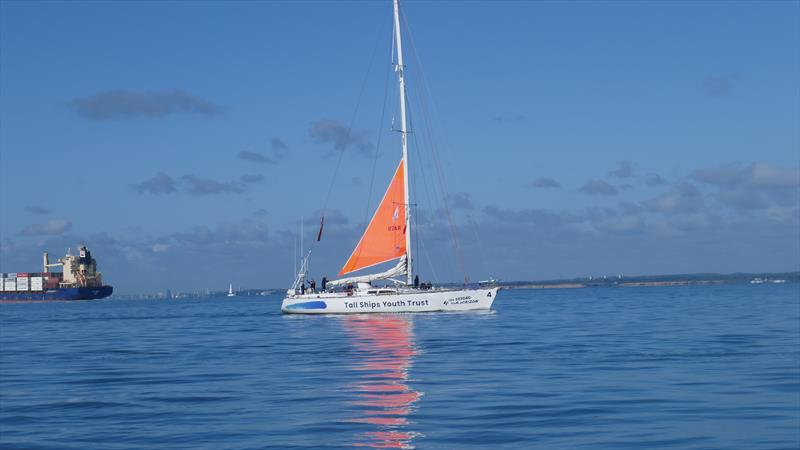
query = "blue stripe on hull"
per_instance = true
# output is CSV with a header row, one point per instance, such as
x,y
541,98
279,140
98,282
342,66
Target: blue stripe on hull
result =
x,y
308,305
79,293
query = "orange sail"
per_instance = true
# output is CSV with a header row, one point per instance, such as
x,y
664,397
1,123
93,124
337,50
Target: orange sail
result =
x,y
385,238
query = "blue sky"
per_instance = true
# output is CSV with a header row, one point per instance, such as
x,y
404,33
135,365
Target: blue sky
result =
x,y
183,141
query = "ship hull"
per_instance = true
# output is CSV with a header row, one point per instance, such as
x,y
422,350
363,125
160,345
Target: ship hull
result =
x,y
409,301
77,293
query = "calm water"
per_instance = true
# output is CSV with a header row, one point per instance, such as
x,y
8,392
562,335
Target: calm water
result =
x,y
643,368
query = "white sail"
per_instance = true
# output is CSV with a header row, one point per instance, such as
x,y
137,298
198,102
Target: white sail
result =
x,y
400,269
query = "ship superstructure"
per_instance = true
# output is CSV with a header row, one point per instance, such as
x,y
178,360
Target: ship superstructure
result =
x,y
78,270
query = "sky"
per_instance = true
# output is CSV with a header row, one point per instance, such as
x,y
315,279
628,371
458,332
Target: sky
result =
x,y
184,141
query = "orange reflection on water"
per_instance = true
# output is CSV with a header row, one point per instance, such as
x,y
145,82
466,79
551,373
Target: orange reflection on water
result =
x,y
385,345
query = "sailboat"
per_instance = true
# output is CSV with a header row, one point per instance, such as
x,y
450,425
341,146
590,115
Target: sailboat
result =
x,y
230,291
386,238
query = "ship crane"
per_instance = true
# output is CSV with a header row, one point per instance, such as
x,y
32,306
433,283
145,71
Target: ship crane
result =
x,y
47,264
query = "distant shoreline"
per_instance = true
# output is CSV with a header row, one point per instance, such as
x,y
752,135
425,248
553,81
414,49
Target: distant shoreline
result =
x,y
708,279
631,284
659,280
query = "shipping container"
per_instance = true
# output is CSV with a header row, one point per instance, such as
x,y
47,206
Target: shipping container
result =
x,y
36,283
11,285
22,275
22,284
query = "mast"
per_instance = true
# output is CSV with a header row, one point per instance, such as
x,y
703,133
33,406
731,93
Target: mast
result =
x,y
400,69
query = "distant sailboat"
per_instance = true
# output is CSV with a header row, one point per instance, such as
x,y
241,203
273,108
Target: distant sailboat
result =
x,y
387,238
230,291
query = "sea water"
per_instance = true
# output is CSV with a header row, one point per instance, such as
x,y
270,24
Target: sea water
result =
x,y
688,367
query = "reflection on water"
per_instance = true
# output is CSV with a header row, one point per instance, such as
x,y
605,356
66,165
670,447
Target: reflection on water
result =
x,y
385,352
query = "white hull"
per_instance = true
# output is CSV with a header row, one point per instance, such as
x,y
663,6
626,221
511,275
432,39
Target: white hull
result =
x,y
412,300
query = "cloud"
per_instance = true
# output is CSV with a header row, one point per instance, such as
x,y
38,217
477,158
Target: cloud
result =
x,y
33,209
598,187
539,217
205,186
625,170
544,224
508,242
620,224
545,183
252,178
332,132
653,179
460,200
227,234
628,208
123,104
509,119
754,186
278,150
161,183
699,221
332,217
724,176
755,174
158,248
258,158
683,198
765,175
717,86
613,241
51,227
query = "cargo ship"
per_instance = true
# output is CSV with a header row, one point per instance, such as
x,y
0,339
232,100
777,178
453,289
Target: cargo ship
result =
x,y
78,280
